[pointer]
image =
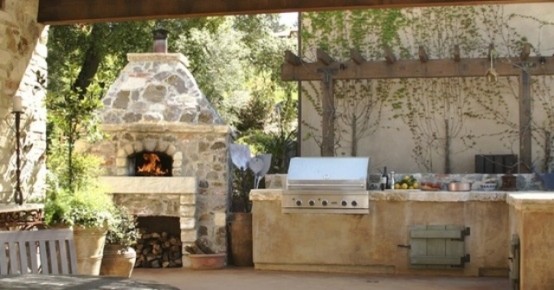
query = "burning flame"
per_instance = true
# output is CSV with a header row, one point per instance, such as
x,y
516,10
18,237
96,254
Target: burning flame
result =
x,y
152,166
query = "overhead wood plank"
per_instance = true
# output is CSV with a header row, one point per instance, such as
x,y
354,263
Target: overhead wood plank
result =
x,y
356,56
456,53
389,55
323,57
292,58
433,68
423,57
88,11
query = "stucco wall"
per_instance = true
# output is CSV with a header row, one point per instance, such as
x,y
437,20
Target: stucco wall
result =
x,y
22,57
392,143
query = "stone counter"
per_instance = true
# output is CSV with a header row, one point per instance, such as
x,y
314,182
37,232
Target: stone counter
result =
x,y
377,242
532,225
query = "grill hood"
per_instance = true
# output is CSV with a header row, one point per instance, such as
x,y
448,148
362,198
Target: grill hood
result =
x,y
328,173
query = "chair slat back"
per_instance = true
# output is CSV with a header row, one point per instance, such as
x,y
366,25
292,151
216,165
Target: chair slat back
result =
x,y
38,252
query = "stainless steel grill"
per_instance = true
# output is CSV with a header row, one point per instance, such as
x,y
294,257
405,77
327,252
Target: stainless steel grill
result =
x,y
327,185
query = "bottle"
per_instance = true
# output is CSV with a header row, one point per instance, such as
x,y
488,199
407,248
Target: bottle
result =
x,y
391,180
384,179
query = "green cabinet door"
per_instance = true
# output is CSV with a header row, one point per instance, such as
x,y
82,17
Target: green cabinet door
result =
x,y
437,246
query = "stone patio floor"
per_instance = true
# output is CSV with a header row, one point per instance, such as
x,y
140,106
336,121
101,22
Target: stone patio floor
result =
x,y
247,278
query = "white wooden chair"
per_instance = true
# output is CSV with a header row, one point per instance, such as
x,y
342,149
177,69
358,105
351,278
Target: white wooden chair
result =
x,y
38,252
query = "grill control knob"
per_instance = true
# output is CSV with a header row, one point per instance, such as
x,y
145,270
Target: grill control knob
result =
x,y
344,203
298,202
311,203
324,202
354,203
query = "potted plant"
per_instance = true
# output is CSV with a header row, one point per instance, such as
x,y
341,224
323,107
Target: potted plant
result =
x,y
84,206
119,255
248,174
73,197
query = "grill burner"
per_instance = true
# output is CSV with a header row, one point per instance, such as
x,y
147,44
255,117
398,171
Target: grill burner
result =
x,y
327,185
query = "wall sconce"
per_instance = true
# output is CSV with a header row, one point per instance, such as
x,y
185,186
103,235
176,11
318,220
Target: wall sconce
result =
x,y
17,110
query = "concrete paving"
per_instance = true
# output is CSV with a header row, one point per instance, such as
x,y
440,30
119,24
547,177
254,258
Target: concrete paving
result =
x,y
248,278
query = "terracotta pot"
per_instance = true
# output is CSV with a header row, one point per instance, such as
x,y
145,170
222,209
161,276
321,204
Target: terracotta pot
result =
x,y
206,261
89,245
118,261
240,236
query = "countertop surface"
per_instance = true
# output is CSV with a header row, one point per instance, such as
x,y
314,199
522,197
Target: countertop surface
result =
x,y
432,196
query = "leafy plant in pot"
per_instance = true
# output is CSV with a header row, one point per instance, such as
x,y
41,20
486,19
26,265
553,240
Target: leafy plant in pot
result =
x,y
250,171
73,196
119,255
88,211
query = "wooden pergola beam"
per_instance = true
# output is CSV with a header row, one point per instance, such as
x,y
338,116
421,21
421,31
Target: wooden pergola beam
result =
x,y
390,58
292,58
423,57
433,68
456,53
525,51
323,57
356,56
57,12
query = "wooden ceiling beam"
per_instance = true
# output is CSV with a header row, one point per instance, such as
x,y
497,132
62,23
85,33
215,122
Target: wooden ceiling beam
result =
x,y
433,68
57,12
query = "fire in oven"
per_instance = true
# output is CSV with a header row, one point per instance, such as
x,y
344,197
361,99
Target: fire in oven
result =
x,y
327,185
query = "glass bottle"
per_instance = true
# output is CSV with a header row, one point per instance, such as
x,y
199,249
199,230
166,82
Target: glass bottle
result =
x,y
391,180
384,179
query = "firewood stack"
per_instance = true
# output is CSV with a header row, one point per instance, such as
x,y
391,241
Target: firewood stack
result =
x,y
158,250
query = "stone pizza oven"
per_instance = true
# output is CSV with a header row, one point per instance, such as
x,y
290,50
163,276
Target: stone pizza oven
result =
x,y
166,153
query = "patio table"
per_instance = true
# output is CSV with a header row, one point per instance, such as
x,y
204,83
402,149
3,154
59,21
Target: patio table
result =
x,y
37,281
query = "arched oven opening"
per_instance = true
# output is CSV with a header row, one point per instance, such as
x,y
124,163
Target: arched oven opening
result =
x,y
148,163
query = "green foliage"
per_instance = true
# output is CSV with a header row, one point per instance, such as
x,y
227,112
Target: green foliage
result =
x,y
71,117
123,228
338,31
436,113
278,138
84,203
90,207
242,183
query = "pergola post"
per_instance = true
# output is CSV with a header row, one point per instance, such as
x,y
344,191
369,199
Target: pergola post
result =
x,y
525,130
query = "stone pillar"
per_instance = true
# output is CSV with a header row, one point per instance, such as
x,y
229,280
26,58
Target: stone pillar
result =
x,y
22,63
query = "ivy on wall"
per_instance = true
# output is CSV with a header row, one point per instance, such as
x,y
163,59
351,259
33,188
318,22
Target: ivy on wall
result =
x,y
435,112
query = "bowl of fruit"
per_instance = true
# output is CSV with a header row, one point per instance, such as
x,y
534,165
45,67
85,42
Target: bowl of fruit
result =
x,y
407,182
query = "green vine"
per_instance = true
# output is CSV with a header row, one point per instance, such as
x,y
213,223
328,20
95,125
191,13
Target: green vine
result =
x,y
439,114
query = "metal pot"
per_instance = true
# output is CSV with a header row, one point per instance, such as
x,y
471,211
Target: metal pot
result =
x,y
459,186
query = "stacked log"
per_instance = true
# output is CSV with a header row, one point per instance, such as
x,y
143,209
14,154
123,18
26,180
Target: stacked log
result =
x,y
158,250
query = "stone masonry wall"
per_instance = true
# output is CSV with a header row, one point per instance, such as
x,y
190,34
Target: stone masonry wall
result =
x,y
22,57
156,105
197,150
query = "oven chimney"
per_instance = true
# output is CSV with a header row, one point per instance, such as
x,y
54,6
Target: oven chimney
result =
x,y
160,40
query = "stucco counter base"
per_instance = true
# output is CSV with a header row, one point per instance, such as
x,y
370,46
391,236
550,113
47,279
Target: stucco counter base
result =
x,y
378,242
